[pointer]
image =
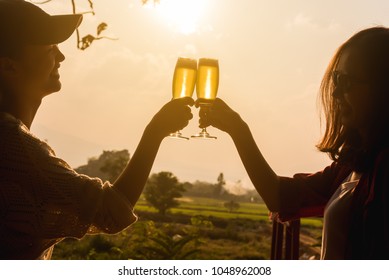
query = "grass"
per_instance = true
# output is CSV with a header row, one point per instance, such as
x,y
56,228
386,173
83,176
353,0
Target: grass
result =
x,y
210,207
244,234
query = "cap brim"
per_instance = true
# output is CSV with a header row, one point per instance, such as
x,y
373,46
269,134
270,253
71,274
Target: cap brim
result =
x,y
58,28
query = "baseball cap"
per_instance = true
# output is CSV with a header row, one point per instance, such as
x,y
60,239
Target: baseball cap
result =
x,y
23,23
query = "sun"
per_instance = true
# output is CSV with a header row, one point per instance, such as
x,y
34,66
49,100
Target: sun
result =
x,y
183,15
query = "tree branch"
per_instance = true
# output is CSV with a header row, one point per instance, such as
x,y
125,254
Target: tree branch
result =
x,y
77,31
83,43
91,6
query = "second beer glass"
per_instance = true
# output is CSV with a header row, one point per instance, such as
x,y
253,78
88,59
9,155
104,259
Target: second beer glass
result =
x,y
206,88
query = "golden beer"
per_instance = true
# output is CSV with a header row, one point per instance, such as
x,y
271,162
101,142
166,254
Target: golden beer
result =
x,y
207,80
206,89
184,78
184,81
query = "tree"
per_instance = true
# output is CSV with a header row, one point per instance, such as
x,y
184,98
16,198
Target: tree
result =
x,y
114,163
231,206
161,191
107,166
219,188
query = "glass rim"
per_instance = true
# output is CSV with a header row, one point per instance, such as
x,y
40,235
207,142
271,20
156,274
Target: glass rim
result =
x,y
208,61
186,62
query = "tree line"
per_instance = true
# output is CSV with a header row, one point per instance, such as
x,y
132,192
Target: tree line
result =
x,y
162,189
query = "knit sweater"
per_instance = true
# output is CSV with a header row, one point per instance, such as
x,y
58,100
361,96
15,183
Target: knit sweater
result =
x,y
43,200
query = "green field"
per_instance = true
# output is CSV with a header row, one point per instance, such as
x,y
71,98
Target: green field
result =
x,y
243,234
210,207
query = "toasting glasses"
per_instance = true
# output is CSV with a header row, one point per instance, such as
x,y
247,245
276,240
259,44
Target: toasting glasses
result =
x,y
184,81
206,88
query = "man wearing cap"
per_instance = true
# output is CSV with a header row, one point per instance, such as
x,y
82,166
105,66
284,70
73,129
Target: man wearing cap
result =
x,y
42,199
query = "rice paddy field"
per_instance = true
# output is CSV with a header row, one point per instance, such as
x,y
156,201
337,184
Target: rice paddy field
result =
x,y
241,234
210,207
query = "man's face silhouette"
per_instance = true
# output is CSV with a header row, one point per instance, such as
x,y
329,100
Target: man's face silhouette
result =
x,y
37,70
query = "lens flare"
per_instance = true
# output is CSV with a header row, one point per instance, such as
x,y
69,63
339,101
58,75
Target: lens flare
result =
x,y
182,15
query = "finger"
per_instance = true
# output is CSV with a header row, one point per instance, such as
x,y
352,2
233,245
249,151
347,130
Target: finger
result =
x,y
180,103
197,103
203,113
182,113
188,101
181,125
188,116
211,122
203,124
219,103
187,109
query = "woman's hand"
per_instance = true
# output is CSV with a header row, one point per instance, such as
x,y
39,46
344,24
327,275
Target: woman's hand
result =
x,y
173,116
221,116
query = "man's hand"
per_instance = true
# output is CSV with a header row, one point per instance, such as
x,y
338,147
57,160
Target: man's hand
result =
x,y
173,116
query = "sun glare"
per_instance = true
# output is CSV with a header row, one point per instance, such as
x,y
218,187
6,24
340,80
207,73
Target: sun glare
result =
x,y
183,15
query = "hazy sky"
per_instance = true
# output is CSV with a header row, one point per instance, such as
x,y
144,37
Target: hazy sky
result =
x,y
272,55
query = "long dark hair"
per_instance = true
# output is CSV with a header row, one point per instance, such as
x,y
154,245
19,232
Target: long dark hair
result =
x,y
344,144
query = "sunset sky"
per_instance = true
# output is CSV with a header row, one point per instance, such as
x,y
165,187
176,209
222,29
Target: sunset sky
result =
x,y
272,55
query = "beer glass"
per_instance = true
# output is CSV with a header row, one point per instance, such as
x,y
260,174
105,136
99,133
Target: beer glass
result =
x,y
206,88
184,81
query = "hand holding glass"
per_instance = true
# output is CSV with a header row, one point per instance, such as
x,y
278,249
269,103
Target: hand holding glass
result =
x,y
206,88
184,81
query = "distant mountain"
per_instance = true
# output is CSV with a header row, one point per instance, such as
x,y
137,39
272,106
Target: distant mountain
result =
x,y
73,149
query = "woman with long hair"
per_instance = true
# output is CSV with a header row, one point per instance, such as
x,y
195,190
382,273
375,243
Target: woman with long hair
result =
x,y
353,192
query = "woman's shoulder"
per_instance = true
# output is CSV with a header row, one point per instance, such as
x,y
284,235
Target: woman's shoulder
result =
x,y
384,154
382,160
